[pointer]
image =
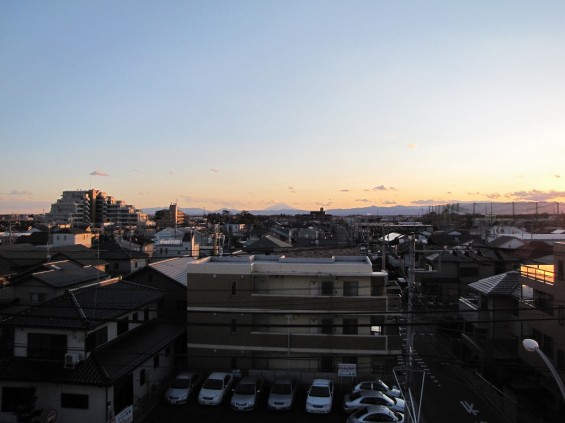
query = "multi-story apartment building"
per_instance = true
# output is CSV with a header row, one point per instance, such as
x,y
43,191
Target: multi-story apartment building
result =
x,y
280,314
542,317
93,207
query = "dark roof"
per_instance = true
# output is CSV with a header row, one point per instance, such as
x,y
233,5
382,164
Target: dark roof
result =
x,y
502,284
34,238
112,250
105,365
63,274
87,307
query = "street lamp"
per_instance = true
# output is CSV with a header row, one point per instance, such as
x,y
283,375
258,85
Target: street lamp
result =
x,y
531,345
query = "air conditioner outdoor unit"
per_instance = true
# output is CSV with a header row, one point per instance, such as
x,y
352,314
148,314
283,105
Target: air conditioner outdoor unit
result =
x,y
71,360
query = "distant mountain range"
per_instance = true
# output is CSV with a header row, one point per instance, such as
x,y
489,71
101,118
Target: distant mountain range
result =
x,y
287,210
518,208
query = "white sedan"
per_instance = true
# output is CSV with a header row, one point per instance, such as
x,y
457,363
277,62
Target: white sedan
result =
x,y
359,399
375,413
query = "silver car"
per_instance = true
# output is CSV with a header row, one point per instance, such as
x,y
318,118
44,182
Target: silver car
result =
x,y
281,396
378,385
375,413
359,399
185,383
245,395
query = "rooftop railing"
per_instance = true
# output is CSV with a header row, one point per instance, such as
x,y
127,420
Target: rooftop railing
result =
x,y
543,273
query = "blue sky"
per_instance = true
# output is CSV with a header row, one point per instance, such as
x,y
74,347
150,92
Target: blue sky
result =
x,y
246,104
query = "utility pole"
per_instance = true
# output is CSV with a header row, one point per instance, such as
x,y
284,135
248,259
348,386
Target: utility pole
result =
x,y
409,411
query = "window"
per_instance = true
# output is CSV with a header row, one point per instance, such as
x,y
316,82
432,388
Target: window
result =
x,y
37,297
327,288
96,338
350,288
350,326
543,301
146,314
327,326
233,287
123,325
560,360
134,317
45,345
13,397
377,323
326,364
156,361
142,377
233,325
74,401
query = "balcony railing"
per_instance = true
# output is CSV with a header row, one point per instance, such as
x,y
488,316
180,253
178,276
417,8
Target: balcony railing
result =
x,y
543,273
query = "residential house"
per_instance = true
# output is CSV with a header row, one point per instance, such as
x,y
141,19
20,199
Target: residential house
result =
x,y
305,316
121,261
94,354
170,276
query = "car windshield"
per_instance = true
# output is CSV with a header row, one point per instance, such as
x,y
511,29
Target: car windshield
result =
x,y
215,384
245,388
319,391
180,383
354,395
361,412
281,388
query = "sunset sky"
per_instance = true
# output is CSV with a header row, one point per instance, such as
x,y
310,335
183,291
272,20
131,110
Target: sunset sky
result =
x,y
310,103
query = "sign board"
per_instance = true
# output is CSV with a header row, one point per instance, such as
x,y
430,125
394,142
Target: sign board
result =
x,y
347,369
51,416
125,416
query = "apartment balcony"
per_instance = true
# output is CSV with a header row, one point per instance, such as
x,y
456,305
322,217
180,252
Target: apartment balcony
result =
x,y
299,343
541,273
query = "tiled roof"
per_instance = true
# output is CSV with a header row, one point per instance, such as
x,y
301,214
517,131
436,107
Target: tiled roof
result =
x,y
174,268
111,250
66,273
503,284
87,307
105,365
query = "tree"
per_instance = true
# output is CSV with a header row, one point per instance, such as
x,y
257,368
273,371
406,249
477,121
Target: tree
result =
x,y
25,410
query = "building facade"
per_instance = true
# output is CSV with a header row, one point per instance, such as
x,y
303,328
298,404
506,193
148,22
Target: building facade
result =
x,y
294,315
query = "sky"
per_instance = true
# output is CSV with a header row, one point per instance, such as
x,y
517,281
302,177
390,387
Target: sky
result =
x,y
246,104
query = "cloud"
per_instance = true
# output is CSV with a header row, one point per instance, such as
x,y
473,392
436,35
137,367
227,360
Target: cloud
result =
x,y
291,189
214,170
427,202
494,196
389,202
344,190
379,188
412,146
98,173
363,200
556,176
537,195
14,192
171,172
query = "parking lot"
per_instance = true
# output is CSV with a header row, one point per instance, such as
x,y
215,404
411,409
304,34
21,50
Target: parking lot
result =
x,y
192,411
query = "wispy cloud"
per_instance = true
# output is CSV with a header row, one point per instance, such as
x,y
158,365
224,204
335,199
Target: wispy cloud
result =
x,y
537,195
18,193
363,200
427,202
291,189
98,173
556,176
214,170
412,146
390,202
494,196
379,188
344,190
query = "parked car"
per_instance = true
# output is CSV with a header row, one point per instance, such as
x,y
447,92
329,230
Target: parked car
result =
x,y
282,393
246,393
215,388
184,384
375,413
320,396
378,385
359,399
